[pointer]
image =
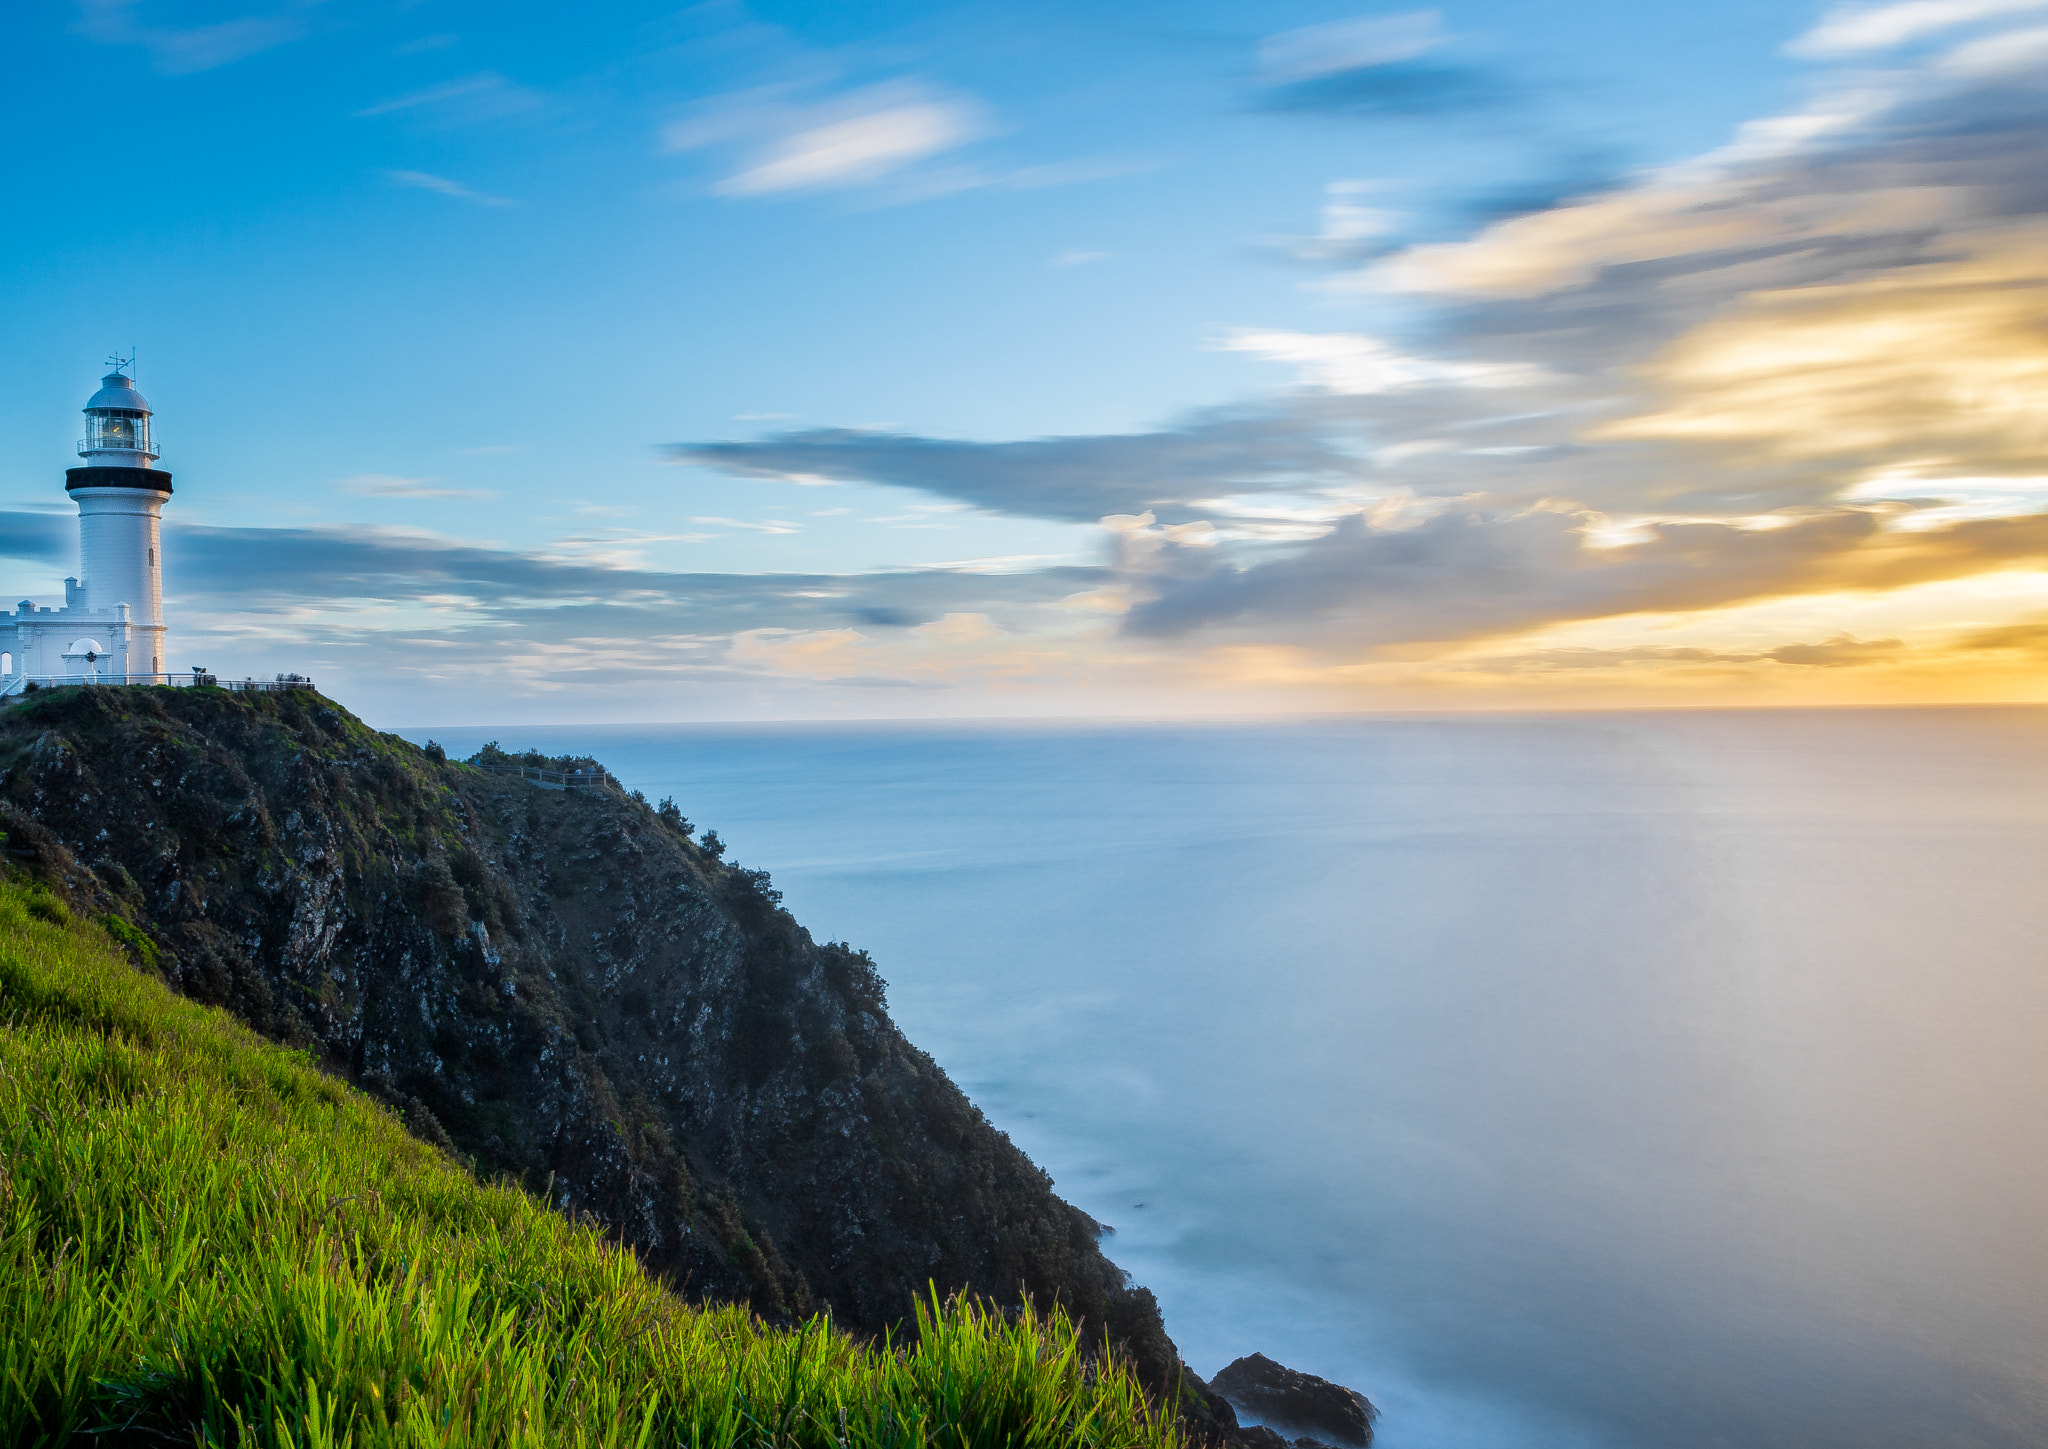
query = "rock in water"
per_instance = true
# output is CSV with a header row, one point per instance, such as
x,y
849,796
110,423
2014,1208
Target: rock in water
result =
x,y
1296,1403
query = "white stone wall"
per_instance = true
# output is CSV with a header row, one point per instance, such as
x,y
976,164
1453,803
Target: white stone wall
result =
x,y
39,640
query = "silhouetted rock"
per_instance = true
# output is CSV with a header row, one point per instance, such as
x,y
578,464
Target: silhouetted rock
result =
x,y
1315,1411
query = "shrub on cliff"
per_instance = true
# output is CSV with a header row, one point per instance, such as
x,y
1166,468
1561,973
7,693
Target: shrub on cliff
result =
x,y
203,1239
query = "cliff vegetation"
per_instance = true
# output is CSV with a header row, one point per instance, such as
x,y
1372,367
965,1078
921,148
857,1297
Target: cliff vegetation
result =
x,y
206,1239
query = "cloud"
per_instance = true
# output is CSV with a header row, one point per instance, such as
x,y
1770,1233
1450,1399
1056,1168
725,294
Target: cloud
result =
x,y
1058,478
182,50
1842,651
1945,359
1369,66
1810,362
854,151
486,96
1472,572
441,184
384,485
38,537
1349,232
851,140
1855,29
773,525
1346,45
2030,638
348,587
1351,362
1395,92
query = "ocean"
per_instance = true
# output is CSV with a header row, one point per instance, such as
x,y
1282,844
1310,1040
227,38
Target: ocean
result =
x,y
1640,1081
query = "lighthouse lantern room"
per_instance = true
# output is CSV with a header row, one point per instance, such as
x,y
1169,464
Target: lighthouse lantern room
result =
x,y
111,626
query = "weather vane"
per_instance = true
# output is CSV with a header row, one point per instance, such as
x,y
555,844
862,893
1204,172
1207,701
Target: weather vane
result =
x,y
117,361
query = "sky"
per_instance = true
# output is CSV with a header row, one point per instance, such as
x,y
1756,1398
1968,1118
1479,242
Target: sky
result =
x,y
736,361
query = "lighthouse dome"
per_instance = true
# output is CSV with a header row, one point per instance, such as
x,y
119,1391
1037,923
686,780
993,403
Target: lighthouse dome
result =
x,y
117,391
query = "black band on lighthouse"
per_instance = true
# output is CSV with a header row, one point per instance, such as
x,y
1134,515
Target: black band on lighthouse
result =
x,y
153,478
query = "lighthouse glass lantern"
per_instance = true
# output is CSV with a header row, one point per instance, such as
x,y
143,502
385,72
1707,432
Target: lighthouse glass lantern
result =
x,y
117,423
107,431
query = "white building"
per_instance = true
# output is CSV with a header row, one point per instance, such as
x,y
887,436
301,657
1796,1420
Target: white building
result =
x,y
111,627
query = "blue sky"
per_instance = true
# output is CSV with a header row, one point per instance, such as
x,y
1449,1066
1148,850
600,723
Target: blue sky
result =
x,y
426,294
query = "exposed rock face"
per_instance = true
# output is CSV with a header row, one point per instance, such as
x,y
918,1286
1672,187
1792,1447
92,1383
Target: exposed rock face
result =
x,y
1258,1436
562,987
1296,1404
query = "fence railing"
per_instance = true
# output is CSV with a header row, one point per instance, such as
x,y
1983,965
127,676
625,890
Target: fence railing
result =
x,y
557,779
14,685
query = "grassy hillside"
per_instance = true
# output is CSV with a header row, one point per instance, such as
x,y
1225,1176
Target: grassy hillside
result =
x,y
205,1239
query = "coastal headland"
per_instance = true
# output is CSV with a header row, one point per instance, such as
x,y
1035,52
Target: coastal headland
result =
x,y
570,990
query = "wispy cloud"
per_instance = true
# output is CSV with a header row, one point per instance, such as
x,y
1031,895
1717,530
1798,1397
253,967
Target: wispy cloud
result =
x,y
1856,29
183,49
385,485
565,615
486,96
1346,45
1373,66
851,140
1842,651
1077,479
772,525
426,181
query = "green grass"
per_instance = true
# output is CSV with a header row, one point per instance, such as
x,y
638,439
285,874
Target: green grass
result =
x,y
205,1240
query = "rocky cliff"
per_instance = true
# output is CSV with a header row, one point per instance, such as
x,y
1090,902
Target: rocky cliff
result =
x,y
563,988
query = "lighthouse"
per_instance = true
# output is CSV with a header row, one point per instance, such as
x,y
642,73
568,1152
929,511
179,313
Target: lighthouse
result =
x,y
111,627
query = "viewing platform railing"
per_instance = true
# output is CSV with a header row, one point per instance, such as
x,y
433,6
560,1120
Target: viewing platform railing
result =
x,y
14,686
557,779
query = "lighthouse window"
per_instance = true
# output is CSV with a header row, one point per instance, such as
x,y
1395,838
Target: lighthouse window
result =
x,y
6,662
152,558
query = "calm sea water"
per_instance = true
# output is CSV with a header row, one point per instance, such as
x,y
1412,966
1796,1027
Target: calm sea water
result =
x,y
1624,1080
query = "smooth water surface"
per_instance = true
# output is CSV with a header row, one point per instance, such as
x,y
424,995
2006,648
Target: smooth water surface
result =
x,y
1635,1080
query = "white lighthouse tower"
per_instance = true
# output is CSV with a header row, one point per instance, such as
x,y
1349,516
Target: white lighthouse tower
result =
x,y
121,495
111,627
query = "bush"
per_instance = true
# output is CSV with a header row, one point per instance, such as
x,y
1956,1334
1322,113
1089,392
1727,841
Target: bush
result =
x,y
133,938
48,908
434,752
